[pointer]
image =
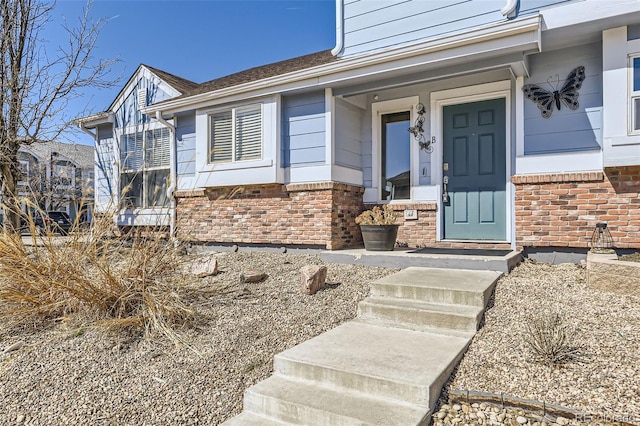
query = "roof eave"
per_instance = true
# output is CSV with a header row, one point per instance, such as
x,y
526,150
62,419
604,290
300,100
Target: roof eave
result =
x,y
484,33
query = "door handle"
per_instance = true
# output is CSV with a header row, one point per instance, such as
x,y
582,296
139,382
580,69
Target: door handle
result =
x,y
445,193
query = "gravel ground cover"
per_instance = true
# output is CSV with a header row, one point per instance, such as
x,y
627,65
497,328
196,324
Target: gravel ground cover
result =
x,y
70,374
605,326
75,375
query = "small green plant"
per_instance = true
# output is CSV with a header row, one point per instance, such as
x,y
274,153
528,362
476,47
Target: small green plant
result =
x,y
550,339
378,216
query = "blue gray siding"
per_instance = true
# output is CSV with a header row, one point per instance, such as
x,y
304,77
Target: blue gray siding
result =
x,y
378,24
186,145
348,134
105,189
127,114
303,130
566,130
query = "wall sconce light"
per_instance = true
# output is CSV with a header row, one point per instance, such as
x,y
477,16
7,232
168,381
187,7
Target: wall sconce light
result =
x,y
601,240
417,130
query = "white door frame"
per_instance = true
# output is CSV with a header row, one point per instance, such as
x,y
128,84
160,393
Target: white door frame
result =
x,y
480,92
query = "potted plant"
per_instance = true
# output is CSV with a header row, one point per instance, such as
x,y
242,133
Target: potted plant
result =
x,y
379,229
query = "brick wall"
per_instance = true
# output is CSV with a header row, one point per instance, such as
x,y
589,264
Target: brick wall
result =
x,y
318,214
561,210
420,232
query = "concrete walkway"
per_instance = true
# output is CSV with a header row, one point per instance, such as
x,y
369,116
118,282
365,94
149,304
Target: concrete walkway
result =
x,y
386,367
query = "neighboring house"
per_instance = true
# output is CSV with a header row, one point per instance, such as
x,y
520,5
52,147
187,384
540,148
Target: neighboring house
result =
x,y
524,121
58,176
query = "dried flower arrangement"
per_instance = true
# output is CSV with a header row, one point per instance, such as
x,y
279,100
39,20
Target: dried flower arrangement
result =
x,y
378,216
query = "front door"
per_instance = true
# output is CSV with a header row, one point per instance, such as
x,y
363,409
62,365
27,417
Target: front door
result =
x,y
474,164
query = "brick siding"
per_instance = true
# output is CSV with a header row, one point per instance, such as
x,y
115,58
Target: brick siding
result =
x,y
561,210
314,214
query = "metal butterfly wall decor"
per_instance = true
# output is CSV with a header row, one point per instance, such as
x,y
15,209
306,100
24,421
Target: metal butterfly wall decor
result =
x,y
567,95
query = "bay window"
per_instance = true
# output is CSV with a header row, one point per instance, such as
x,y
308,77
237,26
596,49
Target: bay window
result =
x,y
145,159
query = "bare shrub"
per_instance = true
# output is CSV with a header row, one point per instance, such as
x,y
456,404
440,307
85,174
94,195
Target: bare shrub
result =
x,y
128,282
550,339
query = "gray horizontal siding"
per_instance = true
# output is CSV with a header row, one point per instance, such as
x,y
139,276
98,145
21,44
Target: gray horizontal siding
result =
x,y
348,129
104,173
186,144
303,130
372,25
566,130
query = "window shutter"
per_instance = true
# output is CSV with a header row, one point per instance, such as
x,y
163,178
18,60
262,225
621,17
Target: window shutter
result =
x,y
249,134
221,148
158,148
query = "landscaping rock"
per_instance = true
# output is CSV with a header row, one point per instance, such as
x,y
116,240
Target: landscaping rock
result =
x,y
313,278
204,267
252,277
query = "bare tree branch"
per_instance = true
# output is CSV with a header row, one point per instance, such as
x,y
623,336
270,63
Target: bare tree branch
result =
x,y
38,82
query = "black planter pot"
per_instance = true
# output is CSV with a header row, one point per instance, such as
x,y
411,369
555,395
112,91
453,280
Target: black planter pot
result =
x,y
379,237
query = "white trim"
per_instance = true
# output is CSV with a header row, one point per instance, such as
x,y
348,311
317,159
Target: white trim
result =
x,y
526,30
339,30
559,163
519,118
329,126
480,92
389,107
328,173
307,174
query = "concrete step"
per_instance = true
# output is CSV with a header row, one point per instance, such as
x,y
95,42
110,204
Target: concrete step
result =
x,y
404,258
392,310
462,287
402,365
304,403
250,419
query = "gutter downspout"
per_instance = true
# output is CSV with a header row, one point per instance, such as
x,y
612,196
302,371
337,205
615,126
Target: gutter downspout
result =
x,y
173,176
339,30
510,10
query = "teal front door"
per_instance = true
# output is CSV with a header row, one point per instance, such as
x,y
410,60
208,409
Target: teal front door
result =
x,y
474,165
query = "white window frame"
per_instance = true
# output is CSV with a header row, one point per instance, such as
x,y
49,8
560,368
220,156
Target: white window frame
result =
x,y
378,109
234,141
633,95
144,169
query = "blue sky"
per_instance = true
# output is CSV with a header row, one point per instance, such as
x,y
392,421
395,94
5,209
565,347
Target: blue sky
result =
x,y
197,40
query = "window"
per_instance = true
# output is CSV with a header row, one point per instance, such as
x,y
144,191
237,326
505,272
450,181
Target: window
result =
x,y
635,93
236,135
64,176
395,156
145,168
24,173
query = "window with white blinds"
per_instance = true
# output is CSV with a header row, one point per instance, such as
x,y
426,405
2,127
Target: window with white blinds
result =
x,y
236,135
145,168
158,147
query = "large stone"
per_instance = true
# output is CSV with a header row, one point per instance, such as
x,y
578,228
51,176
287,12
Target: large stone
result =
x,y
313,278
205,266
252,277
606,272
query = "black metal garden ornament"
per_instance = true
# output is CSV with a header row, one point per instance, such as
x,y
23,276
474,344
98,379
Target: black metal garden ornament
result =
x,y
567,95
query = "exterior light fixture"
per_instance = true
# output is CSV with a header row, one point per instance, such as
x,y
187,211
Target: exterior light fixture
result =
x,y
418,132
601,240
